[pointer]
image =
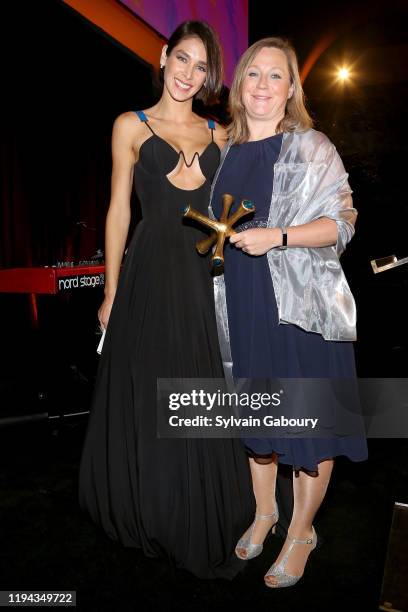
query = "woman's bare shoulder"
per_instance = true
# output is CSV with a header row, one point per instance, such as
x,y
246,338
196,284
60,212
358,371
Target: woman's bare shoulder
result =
x,y
129,133
128,124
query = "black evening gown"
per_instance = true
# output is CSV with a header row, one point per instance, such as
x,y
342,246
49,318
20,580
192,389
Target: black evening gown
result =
x,y
188,500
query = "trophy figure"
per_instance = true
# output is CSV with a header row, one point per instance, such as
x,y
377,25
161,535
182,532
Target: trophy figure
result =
x,y
222,229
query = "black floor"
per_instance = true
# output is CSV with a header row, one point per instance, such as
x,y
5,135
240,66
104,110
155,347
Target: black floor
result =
x,y
46,543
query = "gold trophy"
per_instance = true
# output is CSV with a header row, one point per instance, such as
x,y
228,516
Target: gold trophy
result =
x,y
222,228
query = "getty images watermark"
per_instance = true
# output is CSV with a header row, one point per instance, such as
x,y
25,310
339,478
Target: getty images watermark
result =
x,y
254,408
284,407
214,401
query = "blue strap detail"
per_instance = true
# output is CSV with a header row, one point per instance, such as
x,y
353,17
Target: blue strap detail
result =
x,y
141,115
211,124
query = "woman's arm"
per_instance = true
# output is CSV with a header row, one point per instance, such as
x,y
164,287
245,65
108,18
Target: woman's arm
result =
x,y
118,217
321,232
332,209
318,233
258,241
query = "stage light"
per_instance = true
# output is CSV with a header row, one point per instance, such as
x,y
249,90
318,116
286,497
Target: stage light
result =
x,y
343,74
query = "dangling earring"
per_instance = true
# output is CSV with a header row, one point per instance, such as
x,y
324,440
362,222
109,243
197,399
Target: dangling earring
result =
x,y
161,66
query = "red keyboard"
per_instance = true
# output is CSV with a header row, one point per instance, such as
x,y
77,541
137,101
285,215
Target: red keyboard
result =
x,y
51,280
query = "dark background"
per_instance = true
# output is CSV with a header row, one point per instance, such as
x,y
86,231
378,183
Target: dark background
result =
x,y
63,84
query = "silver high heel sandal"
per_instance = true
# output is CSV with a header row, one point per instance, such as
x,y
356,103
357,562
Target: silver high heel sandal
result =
x,y
278,570
253,550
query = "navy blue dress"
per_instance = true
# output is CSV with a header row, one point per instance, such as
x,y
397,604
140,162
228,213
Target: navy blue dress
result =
x,y
260,347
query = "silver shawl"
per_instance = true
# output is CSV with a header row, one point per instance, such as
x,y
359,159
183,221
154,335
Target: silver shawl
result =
x,y
310,287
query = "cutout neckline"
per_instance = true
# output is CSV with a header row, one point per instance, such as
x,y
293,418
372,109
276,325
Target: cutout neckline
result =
x,y
143,117
181,152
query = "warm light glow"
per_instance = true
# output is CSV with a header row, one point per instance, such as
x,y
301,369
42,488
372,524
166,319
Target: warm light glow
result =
x,y
344,74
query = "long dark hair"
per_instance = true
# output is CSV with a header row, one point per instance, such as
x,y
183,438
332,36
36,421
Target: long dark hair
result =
x,y
202,30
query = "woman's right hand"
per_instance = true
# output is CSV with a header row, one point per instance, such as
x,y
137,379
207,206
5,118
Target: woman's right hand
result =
x,y
104,312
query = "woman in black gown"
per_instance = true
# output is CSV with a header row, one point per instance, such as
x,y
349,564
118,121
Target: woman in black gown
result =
x,y
185,499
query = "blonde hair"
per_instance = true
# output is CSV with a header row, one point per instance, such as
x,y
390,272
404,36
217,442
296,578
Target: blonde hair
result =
x,y
296,118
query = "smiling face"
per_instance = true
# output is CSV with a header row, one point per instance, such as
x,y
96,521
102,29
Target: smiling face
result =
x,y
185,68
266,87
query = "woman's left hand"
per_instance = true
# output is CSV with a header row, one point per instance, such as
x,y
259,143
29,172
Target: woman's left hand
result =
x,y
257,241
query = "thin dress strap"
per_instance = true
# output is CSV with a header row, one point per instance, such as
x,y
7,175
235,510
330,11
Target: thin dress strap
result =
x,y
145,120
211,125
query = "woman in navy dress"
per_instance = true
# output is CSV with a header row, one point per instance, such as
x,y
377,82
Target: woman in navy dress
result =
x,y
284,319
